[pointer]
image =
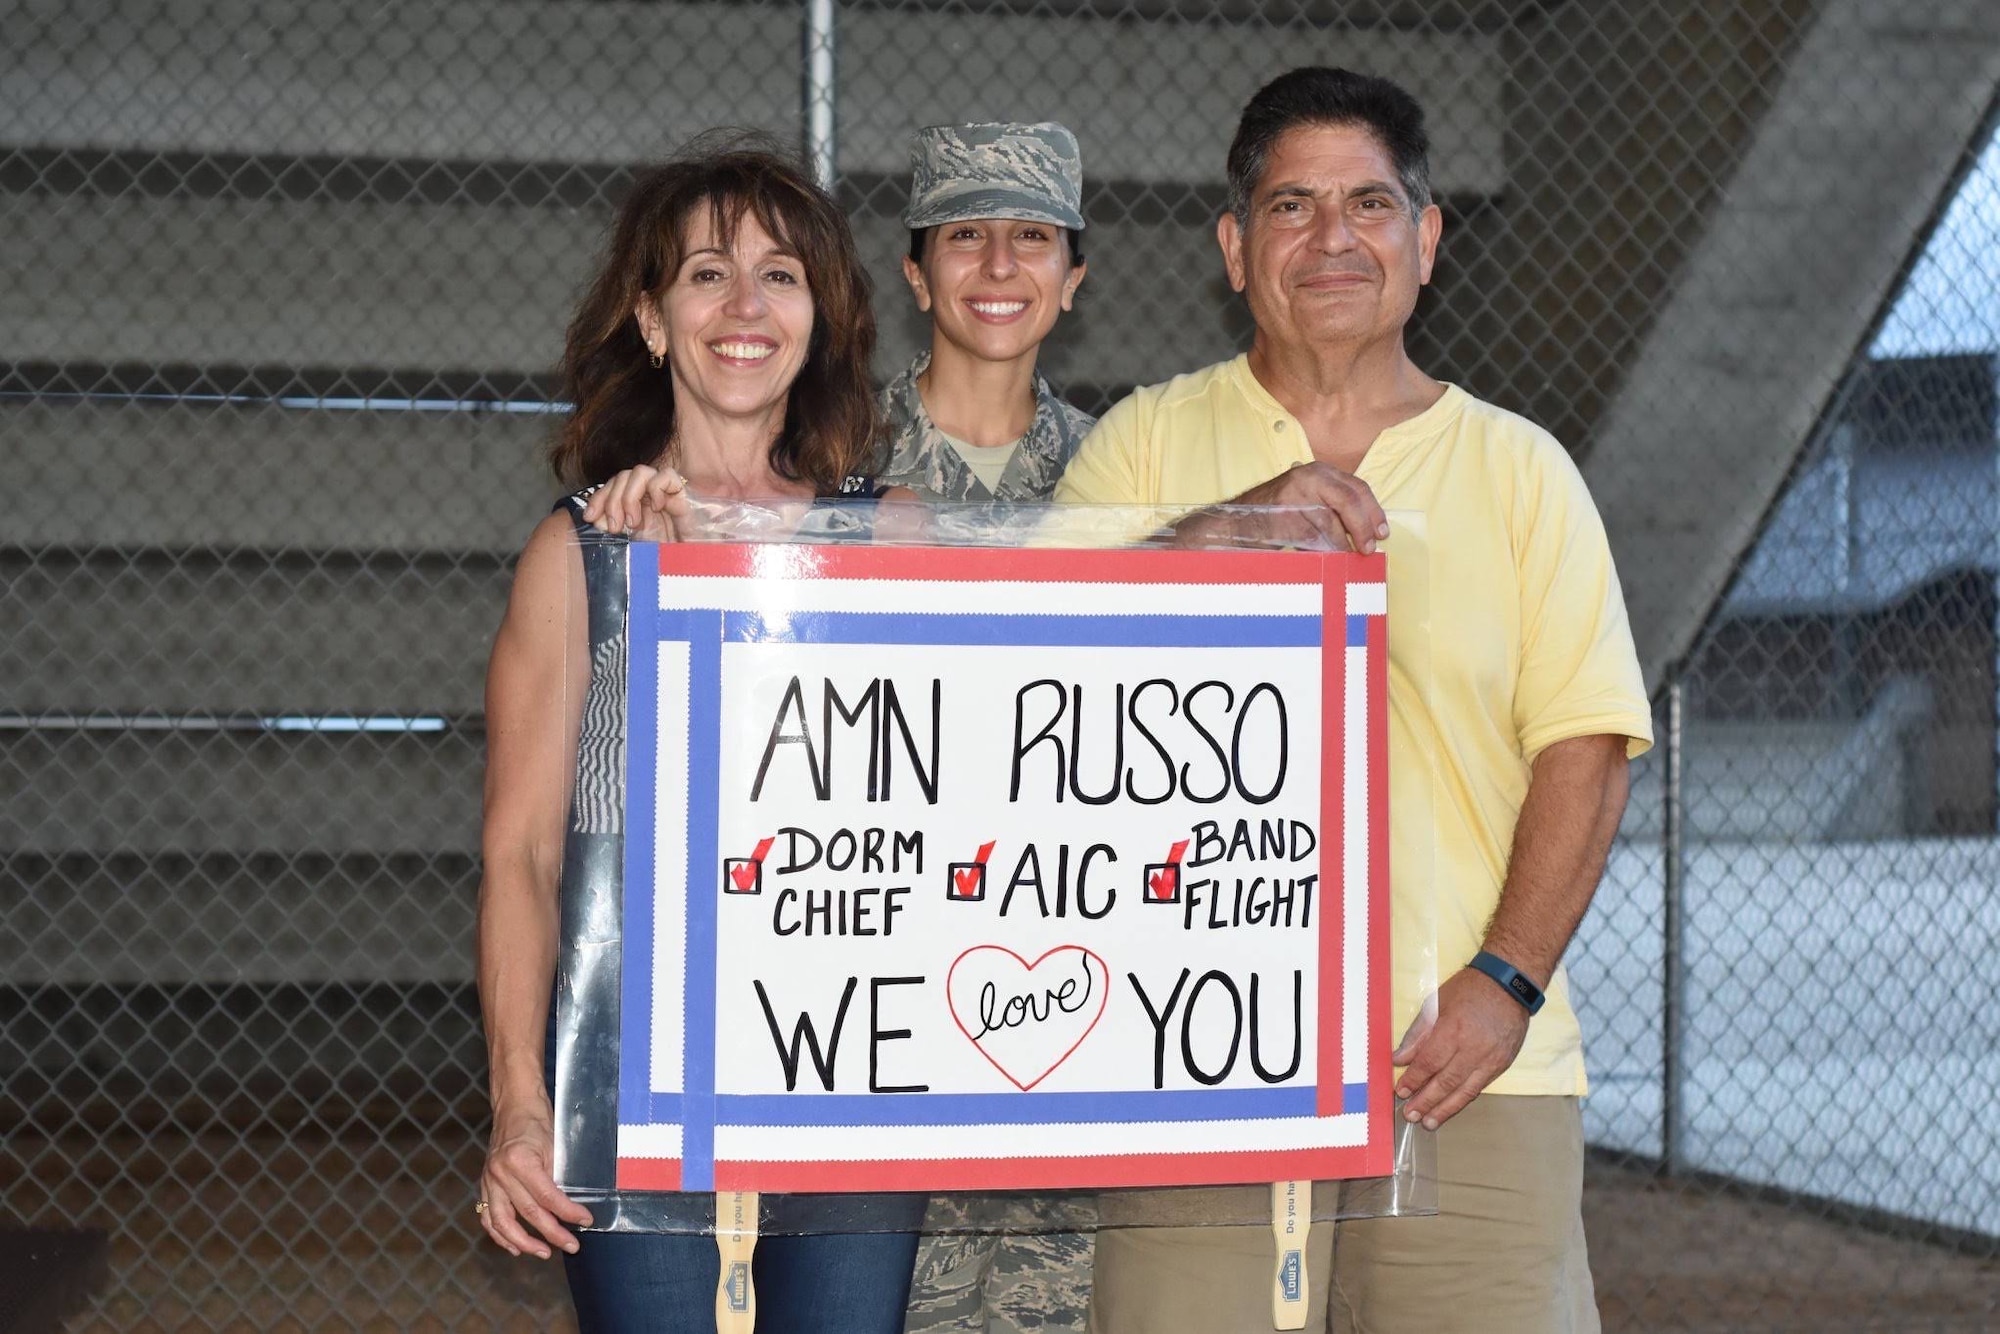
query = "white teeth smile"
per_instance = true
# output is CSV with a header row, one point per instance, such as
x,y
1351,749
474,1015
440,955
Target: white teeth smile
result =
x,y
743,351
1000,308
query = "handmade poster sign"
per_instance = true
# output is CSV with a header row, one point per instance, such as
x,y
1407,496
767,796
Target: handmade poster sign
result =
x,y
977,869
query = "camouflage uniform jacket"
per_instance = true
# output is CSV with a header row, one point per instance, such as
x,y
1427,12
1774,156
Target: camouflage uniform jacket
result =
x,y
922,459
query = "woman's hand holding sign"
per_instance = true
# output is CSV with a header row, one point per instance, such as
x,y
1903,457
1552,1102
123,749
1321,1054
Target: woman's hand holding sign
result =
x,y
518,1187
1472,1031
646,503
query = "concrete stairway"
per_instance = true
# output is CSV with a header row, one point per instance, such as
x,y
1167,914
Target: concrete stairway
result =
x,y
244,243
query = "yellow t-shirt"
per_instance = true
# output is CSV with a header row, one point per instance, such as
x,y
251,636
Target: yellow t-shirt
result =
x,y
1507,632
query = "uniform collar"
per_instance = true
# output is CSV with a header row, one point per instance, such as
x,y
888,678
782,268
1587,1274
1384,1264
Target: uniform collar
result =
x,y
1030,475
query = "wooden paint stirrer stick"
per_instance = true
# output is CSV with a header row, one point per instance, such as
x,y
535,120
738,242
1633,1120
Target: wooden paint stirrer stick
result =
x,y
1290,1288
736,1238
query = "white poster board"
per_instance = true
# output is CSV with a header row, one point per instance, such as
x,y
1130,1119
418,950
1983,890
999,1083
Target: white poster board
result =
x,y
977,869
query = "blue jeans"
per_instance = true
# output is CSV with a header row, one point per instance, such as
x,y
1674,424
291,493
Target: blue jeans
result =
x,y
832,1283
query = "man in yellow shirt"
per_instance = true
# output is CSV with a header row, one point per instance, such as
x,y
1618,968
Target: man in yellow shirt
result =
x,y
1515,703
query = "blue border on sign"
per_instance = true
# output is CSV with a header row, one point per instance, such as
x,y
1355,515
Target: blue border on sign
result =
x,y
1004,1109
698,1108
698,1005
1044,631
642,738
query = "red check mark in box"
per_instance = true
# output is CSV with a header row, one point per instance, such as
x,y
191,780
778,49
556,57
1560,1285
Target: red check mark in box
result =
x,y
966,881
745,875
1163,879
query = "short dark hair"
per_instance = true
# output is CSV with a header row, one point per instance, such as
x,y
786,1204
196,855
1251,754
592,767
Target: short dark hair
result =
x,y
624,411
1321,95
919,235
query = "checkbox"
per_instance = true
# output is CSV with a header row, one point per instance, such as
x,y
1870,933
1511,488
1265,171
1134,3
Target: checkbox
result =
x,y
742,875
1163,882
965,882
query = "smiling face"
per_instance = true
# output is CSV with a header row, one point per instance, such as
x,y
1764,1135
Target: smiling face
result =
x,y
993,287
734,323
1332,253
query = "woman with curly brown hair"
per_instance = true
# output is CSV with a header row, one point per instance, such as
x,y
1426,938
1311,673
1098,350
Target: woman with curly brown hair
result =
x,y
724,345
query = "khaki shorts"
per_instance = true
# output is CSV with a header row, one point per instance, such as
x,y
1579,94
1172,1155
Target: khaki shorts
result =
x,y
1504,1255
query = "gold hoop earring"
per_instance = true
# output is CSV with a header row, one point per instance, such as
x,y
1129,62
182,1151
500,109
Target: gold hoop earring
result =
x,y
657,360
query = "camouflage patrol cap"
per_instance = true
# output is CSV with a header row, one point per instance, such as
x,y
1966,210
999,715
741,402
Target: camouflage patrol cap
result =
x,y
1033,173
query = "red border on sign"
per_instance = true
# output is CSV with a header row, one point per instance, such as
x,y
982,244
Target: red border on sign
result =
x,y
955,565
649,1174
1332,837
1381,1102
944,1174
1108,1170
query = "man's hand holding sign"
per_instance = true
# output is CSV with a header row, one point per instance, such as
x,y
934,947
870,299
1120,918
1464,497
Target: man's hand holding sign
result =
x,y
1311,505
1459,1045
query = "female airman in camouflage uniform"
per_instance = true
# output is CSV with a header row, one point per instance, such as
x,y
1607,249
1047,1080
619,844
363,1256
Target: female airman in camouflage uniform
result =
x,y
995,257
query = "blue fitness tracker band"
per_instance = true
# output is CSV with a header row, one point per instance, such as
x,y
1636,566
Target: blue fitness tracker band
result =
x,y
1511,979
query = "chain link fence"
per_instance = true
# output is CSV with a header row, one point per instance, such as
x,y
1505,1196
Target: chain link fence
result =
x,y
284,286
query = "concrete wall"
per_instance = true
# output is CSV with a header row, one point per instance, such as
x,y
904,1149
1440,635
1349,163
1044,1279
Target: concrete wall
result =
x,y
173,919
263,263
1622,130
539,80
412,287
1832,194
184,791
234,632
520,80
220,476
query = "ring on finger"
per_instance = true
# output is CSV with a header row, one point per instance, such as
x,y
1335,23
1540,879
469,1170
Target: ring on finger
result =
x,y
479,1208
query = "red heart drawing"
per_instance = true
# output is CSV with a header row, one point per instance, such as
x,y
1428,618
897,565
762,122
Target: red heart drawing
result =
x,y
1023,1020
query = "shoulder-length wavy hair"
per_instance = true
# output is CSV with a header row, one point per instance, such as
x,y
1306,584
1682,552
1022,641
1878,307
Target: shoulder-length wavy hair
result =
x,y
623,411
